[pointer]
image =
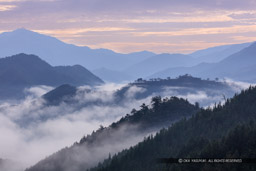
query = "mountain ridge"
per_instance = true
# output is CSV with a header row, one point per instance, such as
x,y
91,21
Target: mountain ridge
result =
x,y
218,53
230,67
22,71
56,52
158,62
221,132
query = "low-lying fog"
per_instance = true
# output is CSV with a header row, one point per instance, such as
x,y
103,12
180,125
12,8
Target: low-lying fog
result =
x,y
30,131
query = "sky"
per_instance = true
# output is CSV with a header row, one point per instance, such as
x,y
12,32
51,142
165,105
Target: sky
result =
x,y
161,26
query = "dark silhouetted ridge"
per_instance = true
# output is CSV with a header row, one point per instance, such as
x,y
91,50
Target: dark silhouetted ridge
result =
x,y
60,94
23,71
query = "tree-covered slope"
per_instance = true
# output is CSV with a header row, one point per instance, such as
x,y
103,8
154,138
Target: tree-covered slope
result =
x,y
205,134
124,133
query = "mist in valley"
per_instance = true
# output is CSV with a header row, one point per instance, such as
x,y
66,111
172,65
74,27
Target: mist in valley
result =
x,y
33,130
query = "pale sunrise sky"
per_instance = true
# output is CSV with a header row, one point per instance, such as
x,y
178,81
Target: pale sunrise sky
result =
x,y
172,26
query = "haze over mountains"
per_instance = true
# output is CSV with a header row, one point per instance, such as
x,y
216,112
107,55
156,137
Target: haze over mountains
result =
x,y
158,62
218,53
56,52
108,65
23,71
69,101
238,66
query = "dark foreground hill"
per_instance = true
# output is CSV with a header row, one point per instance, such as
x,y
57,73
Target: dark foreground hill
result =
x,y
122,134
20,71
226,131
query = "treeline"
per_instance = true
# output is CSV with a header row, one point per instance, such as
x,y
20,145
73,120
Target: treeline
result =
x,y
182,85
224,131
149,118
159,114
181,80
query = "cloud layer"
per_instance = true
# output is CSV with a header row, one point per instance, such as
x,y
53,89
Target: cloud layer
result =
x,y
31,131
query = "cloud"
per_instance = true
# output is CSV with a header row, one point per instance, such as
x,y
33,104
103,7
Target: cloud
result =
x,y
31,131
245,38
238,85
202,31
107,143
4,1
203,98
134,90
181,19
152,5
207,97
38,90
6,7
77,31
122,25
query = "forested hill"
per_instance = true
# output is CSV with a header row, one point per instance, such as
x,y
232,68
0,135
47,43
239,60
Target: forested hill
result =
x,y
226,131
181,81
129,130
180,86
163,113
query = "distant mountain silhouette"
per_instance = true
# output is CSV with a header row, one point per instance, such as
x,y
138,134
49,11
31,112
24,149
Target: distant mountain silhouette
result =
x,y
159,62
139,56
30,70
239,66
111,66
109,75
20,71
79,74
60,94
141,89
218,53
56,52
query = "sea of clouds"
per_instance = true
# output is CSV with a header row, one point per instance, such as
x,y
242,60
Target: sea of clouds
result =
x,y
31,130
